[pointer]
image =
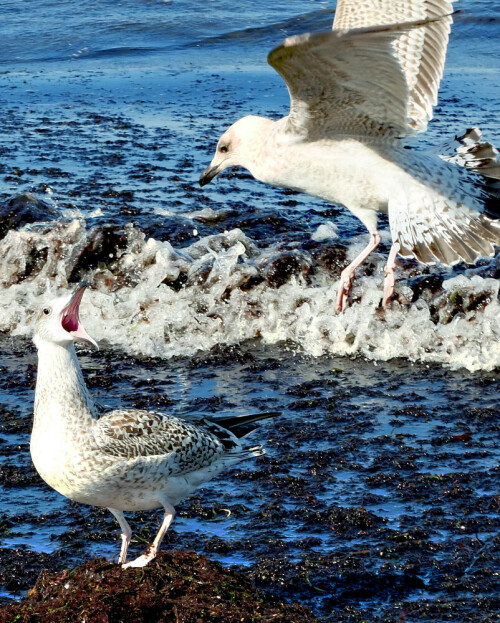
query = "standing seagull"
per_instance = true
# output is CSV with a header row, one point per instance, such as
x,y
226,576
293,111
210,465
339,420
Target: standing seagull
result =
x,y
127,460
355,93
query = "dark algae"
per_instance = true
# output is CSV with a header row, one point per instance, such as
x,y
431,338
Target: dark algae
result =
x,y
181,587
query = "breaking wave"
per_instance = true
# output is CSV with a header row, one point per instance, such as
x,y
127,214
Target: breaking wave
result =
x,y
151,299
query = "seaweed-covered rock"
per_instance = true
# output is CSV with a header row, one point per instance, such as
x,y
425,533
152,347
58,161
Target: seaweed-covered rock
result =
x,y
280,268
21,209
428,284
178,586
329,255
465,296
20,567
99,248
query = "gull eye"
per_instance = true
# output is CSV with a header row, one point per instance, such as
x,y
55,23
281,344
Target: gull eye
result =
x,y
224,149
46,311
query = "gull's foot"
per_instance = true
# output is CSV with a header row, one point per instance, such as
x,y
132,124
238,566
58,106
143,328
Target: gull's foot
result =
x,y
390,275
142,560
389,285
344,292
387,299
347,275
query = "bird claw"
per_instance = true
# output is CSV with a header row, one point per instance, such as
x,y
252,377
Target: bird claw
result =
x,y
142,560
389,286
343,294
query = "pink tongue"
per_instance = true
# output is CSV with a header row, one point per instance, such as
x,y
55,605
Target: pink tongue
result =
x,y
69,323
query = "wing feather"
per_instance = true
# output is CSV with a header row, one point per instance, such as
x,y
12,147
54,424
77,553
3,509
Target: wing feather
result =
x,y
421,53
345,83
432,226
133,434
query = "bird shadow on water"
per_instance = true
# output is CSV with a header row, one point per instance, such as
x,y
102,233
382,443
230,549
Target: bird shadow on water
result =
x,y
377,495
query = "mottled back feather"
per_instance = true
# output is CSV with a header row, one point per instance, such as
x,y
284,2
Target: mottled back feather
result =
x,y
133,434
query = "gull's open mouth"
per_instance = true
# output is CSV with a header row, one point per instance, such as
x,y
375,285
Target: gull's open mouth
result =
x,y
70,318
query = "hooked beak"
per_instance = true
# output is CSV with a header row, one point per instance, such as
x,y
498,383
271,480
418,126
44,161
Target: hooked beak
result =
x,y
70,318
209,173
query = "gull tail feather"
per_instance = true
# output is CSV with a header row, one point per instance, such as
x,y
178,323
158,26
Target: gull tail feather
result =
x,y
256,450
473,153
438,229
236,455
240,425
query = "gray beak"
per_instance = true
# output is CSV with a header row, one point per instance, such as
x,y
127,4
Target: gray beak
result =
x,y
208,175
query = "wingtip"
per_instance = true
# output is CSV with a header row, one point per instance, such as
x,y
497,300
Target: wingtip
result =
x,y
290,42
256,450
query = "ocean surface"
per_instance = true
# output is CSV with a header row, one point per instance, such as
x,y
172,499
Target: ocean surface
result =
x,y
110,112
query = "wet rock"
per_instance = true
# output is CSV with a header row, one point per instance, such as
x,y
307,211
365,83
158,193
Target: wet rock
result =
x,y
331,257
463,297
459,609
346,519
19,569
213,512
177,586
101,247
281,268
486,268
22,209
222,354
11,422
35,261
425,285
178,283
12,476
153,401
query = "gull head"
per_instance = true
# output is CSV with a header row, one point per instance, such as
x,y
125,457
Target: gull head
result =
x,y
238,146
58,321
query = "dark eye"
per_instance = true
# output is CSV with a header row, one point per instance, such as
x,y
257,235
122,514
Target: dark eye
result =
x,y
46,311
224,149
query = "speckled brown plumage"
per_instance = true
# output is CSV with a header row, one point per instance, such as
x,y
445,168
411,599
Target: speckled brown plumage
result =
x,y
124,460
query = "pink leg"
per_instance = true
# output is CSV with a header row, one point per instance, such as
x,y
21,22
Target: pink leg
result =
x,y
152,550
347,275
126,534
390,278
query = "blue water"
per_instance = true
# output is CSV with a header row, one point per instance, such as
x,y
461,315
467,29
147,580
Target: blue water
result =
x,y
191,73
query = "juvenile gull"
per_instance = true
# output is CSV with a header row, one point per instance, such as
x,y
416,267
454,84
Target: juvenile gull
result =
x,y
356,92
126,460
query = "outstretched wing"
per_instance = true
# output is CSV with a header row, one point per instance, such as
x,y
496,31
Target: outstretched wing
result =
x,y
421,53
346,82
132,434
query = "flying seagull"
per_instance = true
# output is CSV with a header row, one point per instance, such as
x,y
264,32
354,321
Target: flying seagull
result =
x,y
356,93
126,460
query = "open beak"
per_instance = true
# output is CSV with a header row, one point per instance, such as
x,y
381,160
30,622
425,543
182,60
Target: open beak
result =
x,y
209,173
70,318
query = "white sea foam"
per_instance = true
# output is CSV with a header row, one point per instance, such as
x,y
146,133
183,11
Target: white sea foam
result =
x,y
133,307
325,231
